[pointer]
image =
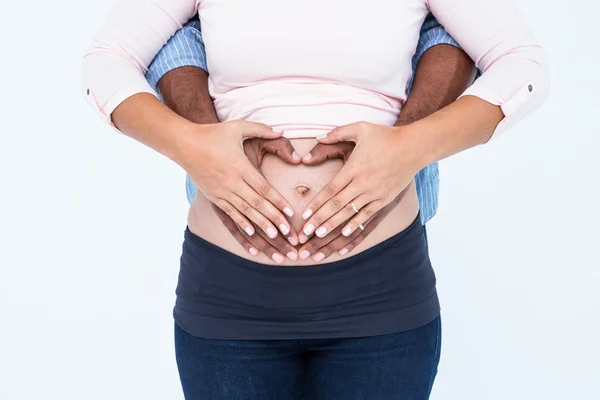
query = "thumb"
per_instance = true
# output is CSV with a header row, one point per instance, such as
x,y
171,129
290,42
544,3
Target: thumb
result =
x,y
256,130
282,148
346,133
321,153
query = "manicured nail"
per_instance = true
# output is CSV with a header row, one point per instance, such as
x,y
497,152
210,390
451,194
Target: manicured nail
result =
x,y
253,251
307,214
319,257
304,254
321,136
292,256
307,157
296,156
293,240
302,238
284,229
288,211
249,231
309,229
343,252
271,233
347,232
321,231
277,130
278,258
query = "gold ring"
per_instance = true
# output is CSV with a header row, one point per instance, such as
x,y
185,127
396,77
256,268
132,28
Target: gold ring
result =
x,y
354,207
362,228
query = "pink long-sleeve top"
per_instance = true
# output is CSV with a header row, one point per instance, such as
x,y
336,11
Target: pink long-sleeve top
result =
x,y
309,66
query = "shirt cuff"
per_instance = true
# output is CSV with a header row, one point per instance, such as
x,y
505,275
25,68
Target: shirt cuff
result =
x,y
185,48
93,91
525,97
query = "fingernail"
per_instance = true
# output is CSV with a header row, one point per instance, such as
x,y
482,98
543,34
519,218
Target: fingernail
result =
x,y
249,231
304,254
347,231
307,214
284,229
293,240
321,231
343,251
278,258
277,130
319,257
292,256
321,136
307,157
309,229
296,156
288,211
302,238
253,251
271,233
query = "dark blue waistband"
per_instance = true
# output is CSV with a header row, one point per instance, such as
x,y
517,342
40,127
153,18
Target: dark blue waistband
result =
x,y
387,288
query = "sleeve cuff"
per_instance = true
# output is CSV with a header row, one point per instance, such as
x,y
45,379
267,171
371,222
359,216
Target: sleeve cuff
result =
x,y
104,112
184,49
156,72
520,104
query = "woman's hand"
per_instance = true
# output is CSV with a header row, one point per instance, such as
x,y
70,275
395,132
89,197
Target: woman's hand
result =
x,y
215,161
255,149
259,242
321,248
381,166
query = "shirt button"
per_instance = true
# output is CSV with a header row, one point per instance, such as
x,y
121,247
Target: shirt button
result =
x,y
88,91
530,88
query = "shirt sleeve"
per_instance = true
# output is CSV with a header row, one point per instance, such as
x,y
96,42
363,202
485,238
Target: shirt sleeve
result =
x,y
432,34
494,34
115,64
185,48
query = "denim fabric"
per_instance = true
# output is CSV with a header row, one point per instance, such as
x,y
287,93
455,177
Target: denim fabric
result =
x,y
385,367
186,48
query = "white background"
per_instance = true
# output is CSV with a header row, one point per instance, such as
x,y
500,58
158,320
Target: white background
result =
x,y
91,225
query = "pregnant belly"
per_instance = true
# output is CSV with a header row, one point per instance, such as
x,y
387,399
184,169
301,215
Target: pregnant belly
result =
x,y
298,184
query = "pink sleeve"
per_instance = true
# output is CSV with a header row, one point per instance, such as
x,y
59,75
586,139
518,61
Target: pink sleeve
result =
x,y
117,60
514,71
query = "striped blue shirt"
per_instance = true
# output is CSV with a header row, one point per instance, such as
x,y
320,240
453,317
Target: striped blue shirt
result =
x,y
186,48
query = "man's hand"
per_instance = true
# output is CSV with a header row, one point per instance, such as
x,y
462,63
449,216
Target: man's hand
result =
x,y
256,148
323,152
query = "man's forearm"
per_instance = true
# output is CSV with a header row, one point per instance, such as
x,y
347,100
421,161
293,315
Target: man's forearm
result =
x,y
185,91
443,73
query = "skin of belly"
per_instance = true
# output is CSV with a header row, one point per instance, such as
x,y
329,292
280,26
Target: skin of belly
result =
x,y
298,184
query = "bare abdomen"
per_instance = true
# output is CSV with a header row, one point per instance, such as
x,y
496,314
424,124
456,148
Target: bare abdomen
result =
x,y
298,184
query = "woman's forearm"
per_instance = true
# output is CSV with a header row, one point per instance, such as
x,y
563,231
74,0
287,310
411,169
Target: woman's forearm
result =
x,y
144,118
465,123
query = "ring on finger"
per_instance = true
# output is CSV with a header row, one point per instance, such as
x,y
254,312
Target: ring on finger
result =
x,y
354,207
362,228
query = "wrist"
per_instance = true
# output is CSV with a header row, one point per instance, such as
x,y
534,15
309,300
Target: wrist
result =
x,y
187,144
412,147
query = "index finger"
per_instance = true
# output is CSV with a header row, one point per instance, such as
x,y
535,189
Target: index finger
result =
x,y
335,186
264,189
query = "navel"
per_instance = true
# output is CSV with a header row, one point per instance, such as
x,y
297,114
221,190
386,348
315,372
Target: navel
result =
x,y
302,189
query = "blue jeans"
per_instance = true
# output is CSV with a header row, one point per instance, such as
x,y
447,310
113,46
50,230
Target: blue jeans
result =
x,y
386,367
